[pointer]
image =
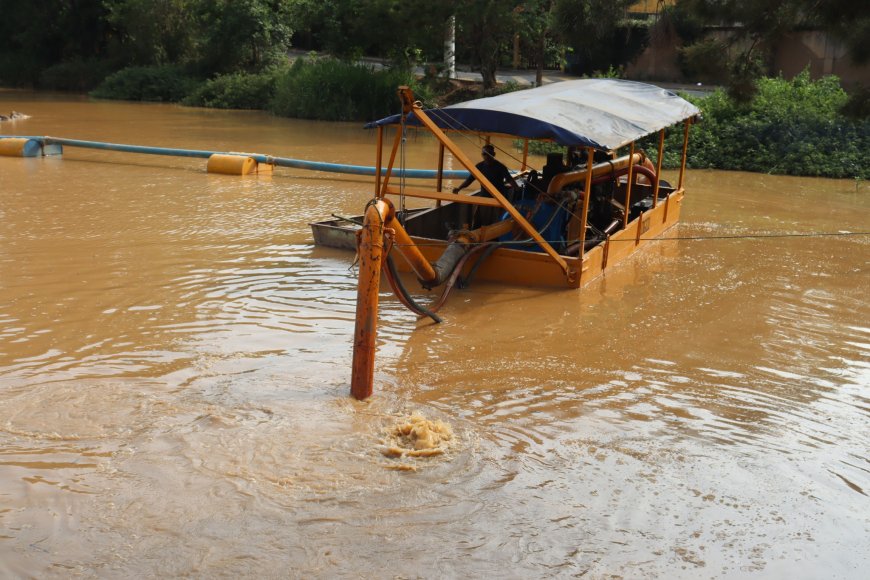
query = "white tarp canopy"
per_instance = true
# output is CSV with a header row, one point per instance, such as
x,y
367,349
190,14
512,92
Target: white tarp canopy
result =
x,y
601,113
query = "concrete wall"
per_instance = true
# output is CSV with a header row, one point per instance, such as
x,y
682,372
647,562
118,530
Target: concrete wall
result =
x,y
658,62
823,55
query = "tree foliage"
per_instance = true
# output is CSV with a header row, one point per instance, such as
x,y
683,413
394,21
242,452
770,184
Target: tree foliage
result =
x,y
338,91
486,28
37,35
74,43
589,28
243,35
789,127
208,36
153,32
404,32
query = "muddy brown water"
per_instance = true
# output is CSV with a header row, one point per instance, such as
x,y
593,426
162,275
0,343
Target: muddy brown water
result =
x,y
175,356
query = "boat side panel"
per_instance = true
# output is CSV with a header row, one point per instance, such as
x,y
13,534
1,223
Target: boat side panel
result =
x,y
625,242
526,269
334,235
513,267
534,268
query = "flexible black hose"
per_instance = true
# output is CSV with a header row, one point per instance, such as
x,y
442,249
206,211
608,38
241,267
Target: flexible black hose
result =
x,y
421,310
466,282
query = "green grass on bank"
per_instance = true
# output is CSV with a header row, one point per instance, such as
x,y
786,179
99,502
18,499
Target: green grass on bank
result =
x,y
321,88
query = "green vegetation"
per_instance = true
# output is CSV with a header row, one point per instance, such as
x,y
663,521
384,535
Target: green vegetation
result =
x,y
235,91
146,83
795,127
233,54
337,91
790,127
74,75
314,88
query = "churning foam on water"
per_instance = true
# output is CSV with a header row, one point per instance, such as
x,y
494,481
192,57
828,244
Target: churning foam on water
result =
x,y
416,436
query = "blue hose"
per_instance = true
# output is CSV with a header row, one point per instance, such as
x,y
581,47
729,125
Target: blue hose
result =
x,y
280,161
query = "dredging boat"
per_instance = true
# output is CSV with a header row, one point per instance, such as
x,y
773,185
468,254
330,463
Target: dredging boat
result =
x,y
560,227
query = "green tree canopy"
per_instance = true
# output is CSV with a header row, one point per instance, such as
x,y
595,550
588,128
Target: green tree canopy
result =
x,y
37,35
153,32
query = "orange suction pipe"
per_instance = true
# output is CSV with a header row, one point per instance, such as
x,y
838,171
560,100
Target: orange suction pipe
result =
x,y
380,215
370,246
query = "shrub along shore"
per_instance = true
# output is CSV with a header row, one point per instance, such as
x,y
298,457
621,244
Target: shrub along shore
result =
x,y
791,127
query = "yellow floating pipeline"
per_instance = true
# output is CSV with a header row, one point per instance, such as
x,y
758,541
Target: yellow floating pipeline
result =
x,y
228,164
20,147
265,163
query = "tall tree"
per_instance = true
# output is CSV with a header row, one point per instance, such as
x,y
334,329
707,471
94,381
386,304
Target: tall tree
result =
x,y
244,34
588,27
535,23
36,35
401,31
485,30
154,31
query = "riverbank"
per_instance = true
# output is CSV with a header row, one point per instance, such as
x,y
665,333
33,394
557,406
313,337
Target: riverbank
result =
x,y
791,127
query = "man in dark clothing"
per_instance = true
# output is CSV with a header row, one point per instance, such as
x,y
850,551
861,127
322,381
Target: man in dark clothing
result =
x,y
494,171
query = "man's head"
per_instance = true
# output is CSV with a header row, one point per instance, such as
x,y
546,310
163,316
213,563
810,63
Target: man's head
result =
x,y
488,151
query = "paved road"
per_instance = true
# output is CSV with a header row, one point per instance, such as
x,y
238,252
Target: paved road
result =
x,y
524,78
527,78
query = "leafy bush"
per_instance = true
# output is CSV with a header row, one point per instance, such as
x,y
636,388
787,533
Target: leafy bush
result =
x,y
75,75
333,90
790,127
19,70
235,91
858,105
705,61
147,83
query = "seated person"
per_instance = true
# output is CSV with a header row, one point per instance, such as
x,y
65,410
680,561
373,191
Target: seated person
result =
x,y
553,167
494,171
577,157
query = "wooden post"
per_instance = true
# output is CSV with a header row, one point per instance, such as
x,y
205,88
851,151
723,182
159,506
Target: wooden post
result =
x,y
440,171
685,150
587,193
379,161
659,167
628,185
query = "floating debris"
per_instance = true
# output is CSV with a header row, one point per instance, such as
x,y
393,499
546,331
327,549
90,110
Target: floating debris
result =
x,y
14,116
